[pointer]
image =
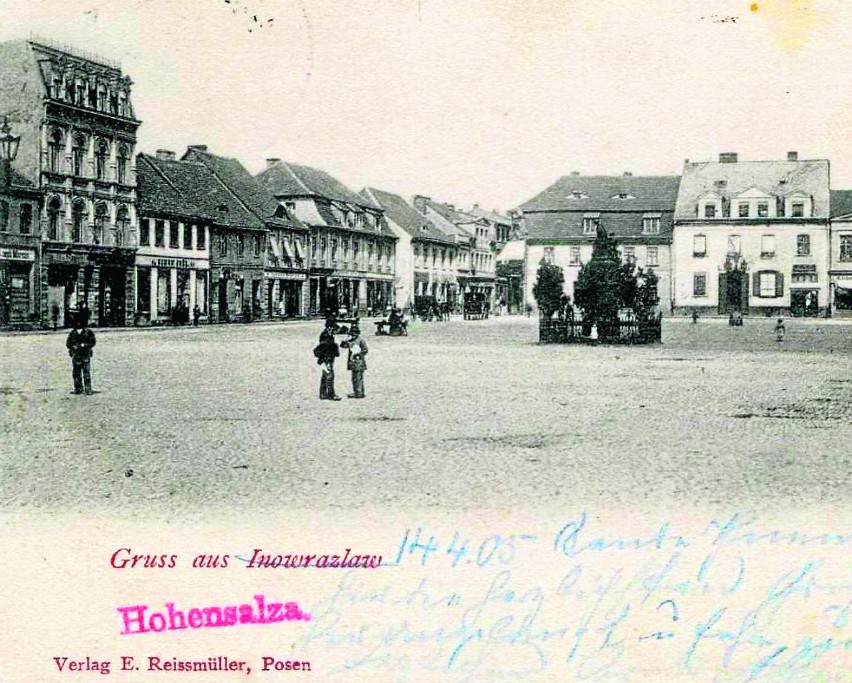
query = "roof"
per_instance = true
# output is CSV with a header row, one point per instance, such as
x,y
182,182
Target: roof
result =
x,y
620,225
513,251
406,216
596,193
773,178
841,202
189,188
241,183
288,179
492,216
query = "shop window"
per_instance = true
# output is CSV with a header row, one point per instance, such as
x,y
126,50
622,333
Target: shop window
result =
x,y
25,220
144,232
803,245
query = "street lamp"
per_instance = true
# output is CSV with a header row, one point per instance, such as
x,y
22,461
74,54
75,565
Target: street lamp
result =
x,y
8,148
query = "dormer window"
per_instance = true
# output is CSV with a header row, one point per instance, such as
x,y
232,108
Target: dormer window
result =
x,y
590,223
623,195
577,195
743,210
651,223
762,209
709,211
797,210
223,208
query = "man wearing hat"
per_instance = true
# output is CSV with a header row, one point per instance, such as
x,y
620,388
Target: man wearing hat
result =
x,y
356,363
326,352
80,342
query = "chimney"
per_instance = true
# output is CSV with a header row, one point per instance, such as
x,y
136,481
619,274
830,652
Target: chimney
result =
x,y
728,158
197,148
686,161
628,173
272,162
420,203
166,154
792,156
476,206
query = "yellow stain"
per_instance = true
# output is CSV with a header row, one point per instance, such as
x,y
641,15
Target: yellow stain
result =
x,y
754,7
790,22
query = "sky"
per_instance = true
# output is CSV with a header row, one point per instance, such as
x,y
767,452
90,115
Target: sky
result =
x,y
474,101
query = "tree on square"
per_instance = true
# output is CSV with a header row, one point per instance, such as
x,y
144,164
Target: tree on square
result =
x,y
548,289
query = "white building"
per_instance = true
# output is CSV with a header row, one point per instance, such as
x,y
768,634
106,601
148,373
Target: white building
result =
x,y
752,236
840,269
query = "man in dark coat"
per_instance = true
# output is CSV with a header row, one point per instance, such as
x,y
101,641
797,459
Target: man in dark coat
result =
x,y
326,352
80,342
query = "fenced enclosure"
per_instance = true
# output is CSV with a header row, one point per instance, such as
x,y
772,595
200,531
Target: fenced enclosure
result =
x,y
629,329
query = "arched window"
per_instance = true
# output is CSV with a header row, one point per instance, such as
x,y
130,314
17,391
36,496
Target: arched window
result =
x,y
79,154
123,156
100,223
101,153
122,226
54,215
55,151
78,220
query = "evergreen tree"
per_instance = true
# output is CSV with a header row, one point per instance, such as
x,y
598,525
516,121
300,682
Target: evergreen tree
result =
x,y
548,289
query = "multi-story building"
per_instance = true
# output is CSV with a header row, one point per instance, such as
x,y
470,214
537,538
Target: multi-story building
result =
x,y
840,267
752,236
481,239
352,249
20,241
75,117
561,224
427,259
286,264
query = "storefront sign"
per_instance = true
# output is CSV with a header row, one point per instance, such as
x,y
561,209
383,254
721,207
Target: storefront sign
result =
x,y
285,276
179,263
13,254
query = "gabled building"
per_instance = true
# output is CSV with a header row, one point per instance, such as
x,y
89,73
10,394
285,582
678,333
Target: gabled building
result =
x,y
753,236
352,249
501,224
75,116
561,224
427,259
840,266
286,265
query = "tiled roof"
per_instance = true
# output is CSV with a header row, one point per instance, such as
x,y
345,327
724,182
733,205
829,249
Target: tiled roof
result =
x,y
841,202
596,193
774,178
198,193
240,182
491,216
406,216
287,179
569,224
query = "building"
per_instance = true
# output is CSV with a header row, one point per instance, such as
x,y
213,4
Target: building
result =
x,y
561,224
352,249
840,266
752,236
501,224
20,250
204,247
480,236
510,270
427,259
75,116
286,265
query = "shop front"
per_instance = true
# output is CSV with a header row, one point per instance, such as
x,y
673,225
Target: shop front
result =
x,y
169,289
841,294
284,292
18,300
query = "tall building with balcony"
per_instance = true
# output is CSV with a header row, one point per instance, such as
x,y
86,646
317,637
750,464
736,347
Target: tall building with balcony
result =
x,y
752,236
75,116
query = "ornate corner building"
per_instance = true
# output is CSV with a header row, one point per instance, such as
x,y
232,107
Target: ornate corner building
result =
x,y
75,117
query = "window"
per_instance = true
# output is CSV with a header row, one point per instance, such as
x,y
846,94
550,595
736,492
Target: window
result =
x,y
762,209
54,210
241,244
57,88
797,210
804,273
548,254
651,225
699,284
653,256
333,249
113,104
709,211
257,244
803,245
100,224
314,247
159,234
80,94
79,154
767,246
101,152
630,254
4,215
744,210
145,232
122,226
846,247
121,168
78,217
55,151
25,220
578,195
223,245
174,235
768,284
93,96
733,244
699,246
187,236
590,224
102,98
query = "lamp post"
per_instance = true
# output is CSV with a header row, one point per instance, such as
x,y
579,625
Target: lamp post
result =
x,y
8,149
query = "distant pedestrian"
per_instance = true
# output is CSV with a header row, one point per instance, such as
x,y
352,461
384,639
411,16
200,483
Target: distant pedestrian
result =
x,y
196,315
326,352
780,330
356,362
54,314
694,316
80,342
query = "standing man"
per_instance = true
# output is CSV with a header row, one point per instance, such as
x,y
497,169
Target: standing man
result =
x,y
356,363
326,352
80,342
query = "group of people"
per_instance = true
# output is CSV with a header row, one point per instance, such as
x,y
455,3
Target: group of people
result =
x,y
327,351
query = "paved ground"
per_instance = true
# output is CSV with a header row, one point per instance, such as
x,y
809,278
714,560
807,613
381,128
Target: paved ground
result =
x,y
460,414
